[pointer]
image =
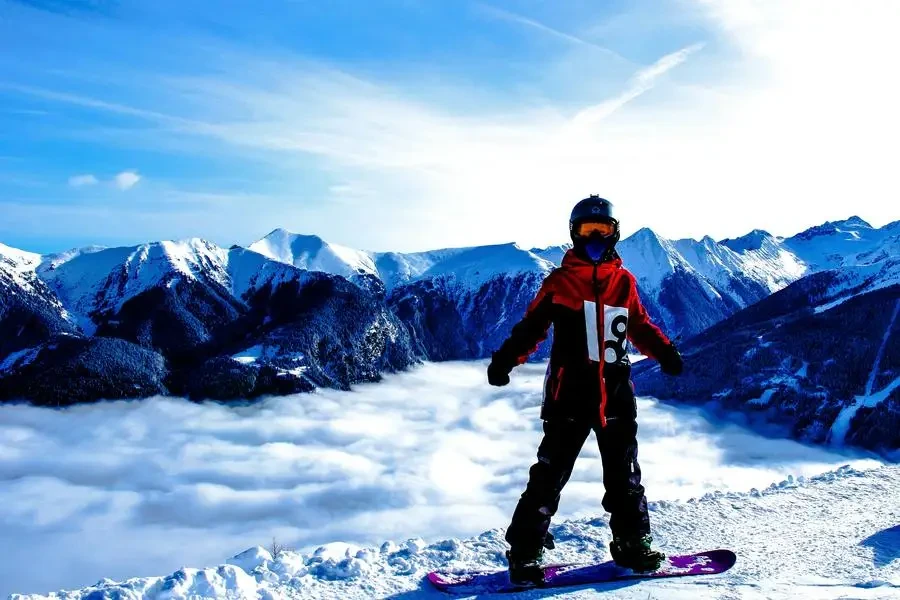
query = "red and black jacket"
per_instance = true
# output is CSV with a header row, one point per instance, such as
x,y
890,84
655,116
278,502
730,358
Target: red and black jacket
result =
x,y
593,308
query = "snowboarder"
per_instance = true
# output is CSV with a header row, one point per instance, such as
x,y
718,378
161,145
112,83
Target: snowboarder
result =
x,y
593,305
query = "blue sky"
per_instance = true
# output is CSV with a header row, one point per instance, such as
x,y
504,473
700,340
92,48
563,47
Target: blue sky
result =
x,y
414,124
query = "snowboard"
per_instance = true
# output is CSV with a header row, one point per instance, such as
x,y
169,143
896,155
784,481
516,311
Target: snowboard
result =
x,y
481,582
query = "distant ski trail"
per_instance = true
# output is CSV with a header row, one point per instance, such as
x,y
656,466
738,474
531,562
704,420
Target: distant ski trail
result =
x,y
841,425
887,335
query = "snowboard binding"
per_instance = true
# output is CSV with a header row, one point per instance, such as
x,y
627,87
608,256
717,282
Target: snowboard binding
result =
x,y
525,568
636,553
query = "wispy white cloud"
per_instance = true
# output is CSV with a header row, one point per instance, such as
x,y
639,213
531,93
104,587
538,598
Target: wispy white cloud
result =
x,y
27,112
643,81
352,193
83,180
506,15
126,180
123,181
771,114
88,102
518,165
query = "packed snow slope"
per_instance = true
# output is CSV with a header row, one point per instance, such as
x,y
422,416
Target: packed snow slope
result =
x,y
831,536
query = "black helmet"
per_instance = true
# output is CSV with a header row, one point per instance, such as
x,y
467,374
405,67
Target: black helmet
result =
x,y
594,209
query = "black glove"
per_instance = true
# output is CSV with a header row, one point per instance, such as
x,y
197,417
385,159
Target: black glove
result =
x,y
670,360
497,375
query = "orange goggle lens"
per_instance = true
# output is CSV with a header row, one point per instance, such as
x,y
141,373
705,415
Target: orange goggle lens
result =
x,y
586,229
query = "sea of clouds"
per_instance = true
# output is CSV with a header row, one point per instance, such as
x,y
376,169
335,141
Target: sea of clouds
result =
x,y
136,488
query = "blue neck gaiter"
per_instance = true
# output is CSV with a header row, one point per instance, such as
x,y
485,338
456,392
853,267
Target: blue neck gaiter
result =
x,y
596,247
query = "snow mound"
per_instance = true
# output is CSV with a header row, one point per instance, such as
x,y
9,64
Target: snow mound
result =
x,y
837,551
224,581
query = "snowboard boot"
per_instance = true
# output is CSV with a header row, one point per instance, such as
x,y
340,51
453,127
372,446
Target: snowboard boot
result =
x,y
525,567
635,553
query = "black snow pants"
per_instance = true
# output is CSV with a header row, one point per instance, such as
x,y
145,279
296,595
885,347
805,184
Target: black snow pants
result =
x,y
563,439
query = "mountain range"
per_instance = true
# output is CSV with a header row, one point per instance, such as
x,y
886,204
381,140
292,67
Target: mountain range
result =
x,y
293,312
821,356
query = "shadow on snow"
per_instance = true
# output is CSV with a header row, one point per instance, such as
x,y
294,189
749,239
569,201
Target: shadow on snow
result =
x,y
885,545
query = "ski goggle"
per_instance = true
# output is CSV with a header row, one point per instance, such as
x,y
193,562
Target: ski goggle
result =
x,y
604,228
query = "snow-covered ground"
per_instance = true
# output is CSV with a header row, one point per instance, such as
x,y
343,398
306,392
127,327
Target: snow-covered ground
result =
x,y
833,536
140,489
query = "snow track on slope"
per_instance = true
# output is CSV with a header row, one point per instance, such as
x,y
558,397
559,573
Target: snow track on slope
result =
x,y
832,536
841,424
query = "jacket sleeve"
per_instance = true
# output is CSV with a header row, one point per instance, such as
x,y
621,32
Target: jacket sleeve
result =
x,y
529,332
646,336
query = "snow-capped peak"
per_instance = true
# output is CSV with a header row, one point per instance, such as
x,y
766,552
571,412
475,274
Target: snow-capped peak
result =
x,y
476,265
92,279
314,254
21,260
650,257
51,261
95,279
552,253
18,265
738,274
470,266
849,227
854,221
17,268
751,241
836,243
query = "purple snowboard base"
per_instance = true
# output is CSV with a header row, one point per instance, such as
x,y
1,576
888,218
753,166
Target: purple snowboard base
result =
x,y
472,582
